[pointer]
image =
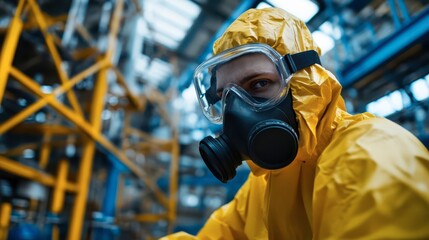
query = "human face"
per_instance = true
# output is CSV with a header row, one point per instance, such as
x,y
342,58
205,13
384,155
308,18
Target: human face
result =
x,y
254,72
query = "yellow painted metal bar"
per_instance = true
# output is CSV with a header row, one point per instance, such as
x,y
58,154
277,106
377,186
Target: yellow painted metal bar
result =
x,y
50,43
19,149
119,197
21,116
149,217
18,169
35,88
31,23
114,29
9,47
59,188
76,119
80,76
5,212
45,150
84,33
32,86
131,97
23,171
85,127
16,151
85,167
135,169
174,169
72,116
55,233
37,129
33,205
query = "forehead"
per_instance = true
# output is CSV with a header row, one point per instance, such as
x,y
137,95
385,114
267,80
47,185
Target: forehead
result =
x,y
251,64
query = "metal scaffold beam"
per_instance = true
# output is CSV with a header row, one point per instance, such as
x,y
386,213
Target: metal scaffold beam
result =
x,y
86,122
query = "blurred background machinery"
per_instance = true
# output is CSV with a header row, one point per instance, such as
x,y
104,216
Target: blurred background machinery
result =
x,y
99,125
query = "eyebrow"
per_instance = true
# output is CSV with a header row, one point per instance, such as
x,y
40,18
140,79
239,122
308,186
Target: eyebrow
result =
x,y
246,79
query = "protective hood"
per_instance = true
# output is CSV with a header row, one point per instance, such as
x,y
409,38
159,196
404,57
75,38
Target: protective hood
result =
x,y
319,110
350,180
315,91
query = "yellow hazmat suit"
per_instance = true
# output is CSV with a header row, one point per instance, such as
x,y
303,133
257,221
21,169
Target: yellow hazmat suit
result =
x,y
355,176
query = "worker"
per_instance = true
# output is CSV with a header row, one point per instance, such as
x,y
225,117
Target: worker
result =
x,y
317,172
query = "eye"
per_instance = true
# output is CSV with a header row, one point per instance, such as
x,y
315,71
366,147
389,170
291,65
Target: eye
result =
x,y
258,84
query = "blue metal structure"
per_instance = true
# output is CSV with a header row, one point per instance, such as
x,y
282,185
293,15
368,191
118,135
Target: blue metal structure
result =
x,y
103,225
186,77
409,34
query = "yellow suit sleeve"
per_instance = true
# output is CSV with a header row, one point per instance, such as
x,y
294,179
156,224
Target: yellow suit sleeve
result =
x,y
179,236
372,182
227,222
236,219
243,217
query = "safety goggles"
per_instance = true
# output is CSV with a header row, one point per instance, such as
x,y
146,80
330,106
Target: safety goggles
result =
x,y
255,72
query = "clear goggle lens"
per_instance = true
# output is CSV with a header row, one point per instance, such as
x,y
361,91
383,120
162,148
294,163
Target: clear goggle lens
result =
x,y
254,72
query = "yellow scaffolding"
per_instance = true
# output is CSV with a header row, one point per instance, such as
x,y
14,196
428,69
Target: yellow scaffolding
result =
x,y
88,129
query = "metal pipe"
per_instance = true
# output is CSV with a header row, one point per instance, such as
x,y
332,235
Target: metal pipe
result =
x,y
35,88
5,211
18,169
50,43
111,192
45,150
9,47
149,217
395,16
58,194
131,97
174,169
114,29
69,114
75,17
59,188
403,9
85,168
19,149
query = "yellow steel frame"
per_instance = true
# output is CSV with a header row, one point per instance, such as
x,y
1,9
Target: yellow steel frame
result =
x,y
91,128
30,173
5,211
152,145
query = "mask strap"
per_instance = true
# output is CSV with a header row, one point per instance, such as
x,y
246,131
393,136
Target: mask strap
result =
x,y
301,60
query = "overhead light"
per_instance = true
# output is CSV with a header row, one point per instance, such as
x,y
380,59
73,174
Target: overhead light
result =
x,y
262,5
420,89
331,30
175,17
187,7
325,42
166,41
158,71
303,9
169,30
170,20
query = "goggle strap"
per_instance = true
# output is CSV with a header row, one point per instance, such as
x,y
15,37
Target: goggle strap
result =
x,y
301,60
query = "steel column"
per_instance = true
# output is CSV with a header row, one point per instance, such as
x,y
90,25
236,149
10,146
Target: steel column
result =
x,y
9,47
85,167
50,43
18,169
5,211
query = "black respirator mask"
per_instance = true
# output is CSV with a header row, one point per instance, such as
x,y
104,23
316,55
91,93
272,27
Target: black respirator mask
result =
x,y
255,127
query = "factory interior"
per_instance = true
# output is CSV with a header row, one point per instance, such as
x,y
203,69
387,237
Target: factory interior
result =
x,y
99,119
